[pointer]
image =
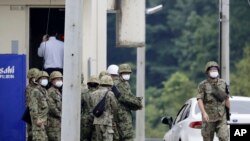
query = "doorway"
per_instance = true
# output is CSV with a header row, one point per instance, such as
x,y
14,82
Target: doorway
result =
x,y
38,26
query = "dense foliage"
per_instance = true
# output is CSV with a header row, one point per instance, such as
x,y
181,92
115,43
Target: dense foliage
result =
x,y
180,40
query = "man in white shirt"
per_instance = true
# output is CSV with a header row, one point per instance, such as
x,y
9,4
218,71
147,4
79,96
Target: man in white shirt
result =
x,y
51,50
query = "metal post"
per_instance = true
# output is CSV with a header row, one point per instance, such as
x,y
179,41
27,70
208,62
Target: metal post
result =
x,y
72,71
224,40
140,91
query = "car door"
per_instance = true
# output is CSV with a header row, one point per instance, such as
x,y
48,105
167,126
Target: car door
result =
x,y
179,122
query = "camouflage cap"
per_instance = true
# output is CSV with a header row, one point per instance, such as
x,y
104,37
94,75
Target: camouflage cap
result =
x,y
42,74
93,79
211,64
55,74
32,73
106,80
102,73
124,68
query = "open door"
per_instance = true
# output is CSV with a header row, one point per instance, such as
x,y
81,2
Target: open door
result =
x,y
38,27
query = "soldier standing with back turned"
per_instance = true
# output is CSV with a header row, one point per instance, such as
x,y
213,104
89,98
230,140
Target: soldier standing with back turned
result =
x,y
103,123
87,118
113,72
213,99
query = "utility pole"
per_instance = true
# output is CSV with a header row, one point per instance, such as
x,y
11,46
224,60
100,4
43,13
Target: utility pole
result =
x,y
71,101
140,92
224,40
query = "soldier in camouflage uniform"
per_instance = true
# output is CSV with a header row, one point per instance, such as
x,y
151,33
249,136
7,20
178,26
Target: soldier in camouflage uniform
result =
x,y
32,74
127,103
39,108
212,106
103,124
113,72
86,118
55,106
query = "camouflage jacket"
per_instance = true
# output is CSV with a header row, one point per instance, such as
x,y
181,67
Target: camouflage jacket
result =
x,y
214,109
38,105
110,105
28,90
55,109
85,99
127,99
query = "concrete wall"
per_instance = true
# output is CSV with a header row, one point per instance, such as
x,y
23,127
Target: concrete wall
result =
x,y
13,28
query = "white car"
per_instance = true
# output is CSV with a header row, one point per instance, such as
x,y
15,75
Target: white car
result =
x,y
187,124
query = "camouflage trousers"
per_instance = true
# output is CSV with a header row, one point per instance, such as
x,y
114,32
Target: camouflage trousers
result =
x,y
218,127
103,133
116,133
87,128
54,135
125,127
29,132
39,135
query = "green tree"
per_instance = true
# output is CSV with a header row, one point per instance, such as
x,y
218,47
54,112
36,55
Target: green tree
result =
x,y
240,81
168,100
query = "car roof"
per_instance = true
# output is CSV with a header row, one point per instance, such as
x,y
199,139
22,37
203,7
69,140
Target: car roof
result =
x,y
241,98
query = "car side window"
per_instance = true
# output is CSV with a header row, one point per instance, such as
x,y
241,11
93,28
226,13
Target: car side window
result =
x,y
180,113
186,112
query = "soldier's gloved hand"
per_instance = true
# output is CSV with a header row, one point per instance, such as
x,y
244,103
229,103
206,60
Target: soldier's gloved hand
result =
x,y
139,98
39,122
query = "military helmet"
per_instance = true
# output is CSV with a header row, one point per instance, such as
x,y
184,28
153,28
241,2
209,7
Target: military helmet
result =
x,y
93,79
124,68
55,74
113,69
32,73
42,74
106,80
211,64
102,73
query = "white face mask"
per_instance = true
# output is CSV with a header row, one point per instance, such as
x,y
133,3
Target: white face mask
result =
x,y
126,76
214,74
59,84
44,82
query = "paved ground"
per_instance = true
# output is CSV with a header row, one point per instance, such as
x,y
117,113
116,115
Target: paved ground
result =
x,y
149,139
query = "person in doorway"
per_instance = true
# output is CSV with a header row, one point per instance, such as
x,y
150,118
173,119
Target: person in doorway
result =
x,y
55,106
52,50
39,108
213,100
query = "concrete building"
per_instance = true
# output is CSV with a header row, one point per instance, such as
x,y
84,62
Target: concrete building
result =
x,y
24,22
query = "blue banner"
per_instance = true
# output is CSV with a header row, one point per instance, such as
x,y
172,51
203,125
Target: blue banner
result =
x,y
12,97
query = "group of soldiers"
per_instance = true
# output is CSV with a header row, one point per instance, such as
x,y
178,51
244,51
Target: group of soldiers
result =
x,y
44,103
110,90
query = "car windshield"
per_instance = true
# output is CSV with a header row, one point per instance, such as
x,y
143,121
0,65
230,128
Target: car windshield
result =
x,y
237,107
240,107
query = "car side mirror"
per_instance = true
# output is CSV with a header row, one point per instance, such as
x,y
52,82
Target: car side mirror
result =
x,y
167,120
